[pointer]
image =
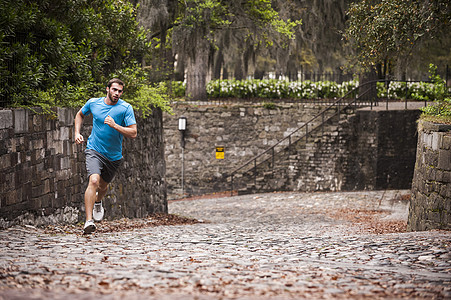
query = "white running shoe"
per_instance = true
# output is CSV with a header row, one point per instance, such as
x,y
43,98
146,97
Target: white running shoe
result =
x,y
98,211
90,227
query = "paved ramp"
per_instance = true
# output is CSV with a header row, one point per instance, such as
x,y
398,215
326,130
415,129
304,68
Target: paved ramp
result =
x,y
266,246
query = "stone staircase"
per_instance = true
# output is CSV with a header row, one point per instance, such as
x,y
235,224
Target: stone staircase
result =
x,y
290,165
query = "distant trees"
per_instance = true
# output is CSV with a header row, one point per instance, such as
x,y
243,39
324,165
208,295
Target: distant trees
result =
x,y
384,33
235,38
63,51
199,22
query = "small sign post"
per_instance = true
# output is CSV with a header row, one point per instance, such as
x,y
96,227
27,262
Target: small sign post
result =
x,y
220,152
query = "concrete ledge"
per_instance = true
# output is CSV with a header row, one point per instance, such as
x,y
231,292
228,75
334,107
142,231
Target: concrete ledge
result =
x,y
436,127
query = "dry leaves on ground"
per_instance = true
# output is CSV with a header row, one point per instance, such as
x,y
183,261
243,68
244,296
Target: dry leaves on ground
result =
x,y
124,224
370,220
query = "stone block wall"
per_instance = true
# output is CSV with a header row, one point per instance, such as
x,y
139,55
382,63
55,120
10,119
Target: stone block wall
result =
x,y
43,175
244,130
430,204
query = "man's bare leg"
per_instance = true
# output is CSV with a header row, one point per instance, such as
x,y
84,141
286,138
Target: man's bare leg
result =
x,y
103,188
90,194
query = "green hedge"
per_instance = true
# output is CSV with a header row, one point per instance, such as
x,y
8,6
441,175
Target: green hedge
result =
x,y
278,89
422,91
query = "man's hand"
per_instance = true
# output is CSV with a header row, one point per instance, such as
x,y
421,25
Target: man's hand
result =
x,y
110,122
128,131
79,139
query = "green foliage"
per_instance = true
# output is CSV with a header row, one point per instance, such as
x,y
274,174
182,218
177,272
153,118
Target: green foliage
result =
x,y
62,52
439,90
263,14
442,107
178,89
269,105
278,89
207,16
203,13
134,78
148,97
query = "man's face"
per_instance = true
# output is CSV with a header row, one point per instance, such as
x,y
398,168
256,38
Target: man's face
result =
x,y
115,92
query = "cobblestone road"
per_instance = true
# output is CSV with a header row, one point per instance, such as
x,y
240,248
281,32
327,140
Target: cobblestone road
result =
x,y
274,246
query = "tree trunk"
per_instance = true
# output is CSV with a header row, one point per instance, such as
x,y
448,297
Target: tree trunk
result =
x,y
400,72
218,63
225,73
368,91
197,68
292,69
179,73
238,70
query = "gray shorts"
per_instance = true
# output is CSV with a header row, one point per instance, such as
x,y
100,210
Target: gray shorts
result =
x,y
96,163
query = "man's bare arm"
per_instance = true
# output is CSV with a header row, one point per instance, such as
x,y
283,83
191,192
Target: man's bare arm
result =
x,y
128,131
78,123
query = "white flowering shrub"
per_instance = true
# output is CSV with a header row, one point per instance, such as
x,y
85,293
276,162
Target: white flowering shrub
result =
x,y
278,89
423,91
346,87
283,89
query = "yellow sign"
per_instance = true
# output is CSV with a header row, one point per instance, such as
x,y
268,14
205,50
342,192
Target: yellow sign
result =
x,y
219,152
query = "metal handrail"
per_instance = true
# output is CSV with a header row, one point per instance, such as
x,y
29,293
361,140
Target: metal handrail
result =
x,y
341,106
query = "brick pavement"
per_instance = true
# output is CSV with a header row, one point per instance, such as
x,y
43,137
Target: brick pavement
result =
x,y
274,246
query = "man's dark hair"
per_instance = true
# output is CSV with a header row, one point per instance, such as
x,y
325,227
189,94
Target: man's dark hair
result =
x,y
115,80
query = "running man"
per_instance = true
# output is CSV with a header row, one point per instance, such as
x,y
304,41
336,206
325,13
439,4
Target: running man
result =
x,y
113,118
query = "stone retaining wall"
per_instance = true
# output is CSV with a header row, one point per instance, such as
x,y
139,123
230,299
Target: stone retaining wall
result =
x,y
43,176
374,149
379,149
244,130
430,205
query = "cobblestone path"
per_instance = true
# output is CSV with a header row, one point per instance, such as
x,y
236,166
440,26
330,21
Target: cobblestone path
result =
x,y
266,246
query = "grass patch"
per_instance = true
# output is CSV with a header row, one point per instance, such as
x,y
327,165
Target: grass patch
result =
x,y
436,119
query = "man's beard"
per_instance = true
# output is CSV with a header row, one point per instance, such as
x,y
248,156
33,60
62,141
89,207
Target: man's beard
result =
x,y
110,95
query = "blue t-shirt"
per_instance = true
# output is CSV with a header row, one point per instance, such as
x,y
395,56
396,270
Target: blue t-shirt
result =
x,y
103,138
